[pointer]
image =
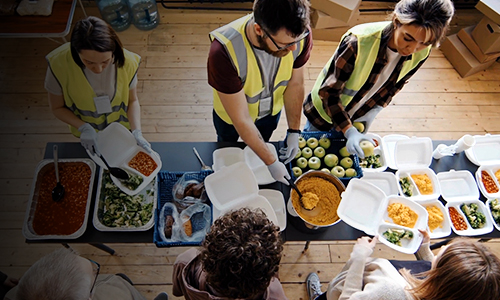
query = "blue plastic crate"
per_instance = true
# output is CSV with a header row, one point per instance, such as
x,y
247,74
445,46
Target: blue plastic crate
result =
x,y
336,145
166,181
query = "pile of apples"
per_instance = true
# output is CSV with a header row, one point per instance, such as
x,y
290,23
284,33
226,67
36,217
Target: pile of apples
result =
x,y
313,153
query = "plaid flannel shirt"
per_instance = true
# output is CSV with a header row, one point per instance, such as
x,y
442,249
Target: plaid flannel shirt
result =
x,y
339,72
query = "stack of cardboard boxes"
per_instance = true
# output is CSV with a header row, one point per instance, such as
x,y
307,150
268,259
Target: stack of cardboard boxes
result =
x,y
476,48
331,18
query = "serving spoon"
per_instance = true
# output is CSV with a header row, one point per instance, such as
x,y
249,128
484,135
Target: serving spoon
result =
x,y
58,190
117,172
203,166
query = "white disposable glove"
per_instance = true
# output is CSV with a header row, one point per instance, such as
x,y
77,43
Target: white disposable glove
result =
x,y
368,118
88,138
291,149
354,137
141,141
279,171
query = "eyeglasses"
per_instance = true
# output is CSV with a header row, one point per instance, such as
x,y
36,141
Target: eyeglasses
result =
x,y
301,37
96,274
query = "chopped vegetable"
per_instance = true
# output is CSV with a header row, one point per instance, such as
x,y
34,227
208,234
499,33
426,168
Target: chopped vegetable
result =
x,y
396,235
406,186
475,218
133,181
495,210
372,161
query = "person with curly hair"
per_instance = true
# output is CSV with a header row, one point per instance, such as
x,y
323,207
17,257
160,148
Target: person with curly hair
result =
x,y
239,259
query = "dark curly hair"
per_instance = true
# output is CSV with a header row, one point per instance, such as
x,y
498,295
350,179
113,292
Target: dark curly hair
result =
x,y
241,253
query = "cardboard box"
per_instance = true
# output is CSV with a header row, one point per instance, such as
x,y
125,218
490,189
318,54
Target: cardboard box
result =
x,y
320,20
490,8
329,34
342,10
461,58
487,36
465,35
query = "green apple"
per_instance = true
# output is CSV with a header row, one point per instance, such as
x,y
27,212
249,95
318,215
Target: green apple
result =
x,y
319,152
367,147
350,172
307,152
302,162
326,170
302,142
314,163
331,160
297,171
325,142
338,171
312,142
299,154
359,126
346,162
343,151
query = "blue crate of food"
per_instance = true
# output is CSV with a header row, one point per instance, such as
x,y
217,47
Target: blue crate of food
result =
x,y
327,151
177,201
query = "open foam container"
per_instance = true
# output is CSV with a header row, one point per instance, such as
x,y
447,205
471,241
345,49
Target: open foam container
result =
x,y
486,150
379,149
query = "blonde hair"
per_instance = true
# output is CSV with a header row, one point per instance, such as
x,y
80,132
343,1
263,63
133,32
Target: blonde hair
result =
x,y
434,16
465,270
56,276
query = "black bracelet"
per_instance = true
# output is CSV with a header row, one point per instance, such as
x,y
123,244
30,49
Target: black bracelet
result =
x,y
294,130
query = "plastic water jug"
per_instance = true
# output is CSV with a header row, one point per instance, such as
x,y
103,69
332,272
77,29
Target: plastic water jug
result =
x,y
145,14
116,13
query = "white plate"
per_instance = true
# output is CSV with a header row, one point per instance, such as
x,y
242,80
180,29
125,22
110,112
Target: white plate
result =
x,y
378,150
385,181
408,246
445,229
488,208
491,169
486,150
457,185
389,145
488,227
417,196
278,203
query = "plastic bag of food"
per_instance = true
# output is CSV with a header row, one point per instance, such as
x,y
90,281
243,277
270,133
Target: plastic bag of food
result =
x,y
188,192
195,222
169,226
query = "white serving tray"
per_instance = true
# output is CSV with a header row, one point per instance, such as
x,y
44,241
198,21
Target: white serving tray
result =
x,y
386,181
389,145
28,231
488,227
378,150
491,169
445,229
485,151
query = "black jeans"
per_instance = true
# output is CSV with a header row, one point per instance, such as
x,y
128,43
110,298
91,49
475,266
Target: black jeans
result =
x,y
227,133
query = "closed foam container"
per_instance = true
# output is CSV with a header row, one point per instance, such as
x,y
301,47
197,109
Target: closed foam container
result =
x,y
486,150
364,207
413,157
118,146
234,187
379,149
491,170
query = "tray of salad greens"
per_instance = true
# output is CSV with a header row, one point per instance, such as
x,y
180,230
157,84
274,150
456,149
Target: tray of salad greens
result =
x,y
118,211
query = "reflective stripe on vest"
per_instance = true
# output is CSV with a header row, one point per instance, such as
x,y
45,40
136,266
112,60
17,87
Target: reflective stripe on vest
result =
x,y
233,37
79,95
369,36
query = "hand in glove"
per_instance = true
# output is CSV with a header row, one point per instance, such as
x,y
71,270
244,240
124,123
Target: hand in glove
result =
x,y
88,138
279,171
368,118
292,143
141,141
354,137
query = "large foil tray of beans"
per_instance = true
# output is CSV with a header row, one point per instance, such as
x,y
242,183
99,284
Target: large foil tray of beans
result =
x,y
66,219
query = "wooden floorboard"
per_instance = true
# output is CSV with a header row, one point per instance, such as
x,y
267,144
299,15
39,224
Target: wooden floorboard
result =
x,y
176,105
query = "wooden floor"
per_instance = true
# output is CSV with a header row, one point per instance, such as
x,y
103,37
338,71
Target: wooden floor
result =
x,y
176,106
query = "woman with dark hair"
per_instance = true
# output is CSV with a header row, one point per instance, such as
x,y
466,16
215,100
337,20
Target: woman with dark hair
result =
x,y
92,82
372,63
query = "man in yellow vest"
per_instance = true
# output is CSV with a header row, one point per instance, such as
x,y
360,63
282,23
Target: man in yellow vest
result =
x,y
371,64
256,66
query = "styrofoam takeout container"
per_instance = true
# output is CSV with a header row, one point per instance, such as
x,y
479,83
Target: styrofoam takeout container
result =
x,y
488,227
364,207
389,146
491,169
278,203
234,187
486,150
386,181
457,185
413,157
379,149
445,229
118,146
487,204
228,156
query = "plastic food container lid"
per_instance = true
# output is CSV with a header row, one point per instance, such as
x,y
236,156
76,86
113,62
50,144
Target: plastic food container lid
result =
x,y
413,153
485,151
277,202
385,181
457,185
389,145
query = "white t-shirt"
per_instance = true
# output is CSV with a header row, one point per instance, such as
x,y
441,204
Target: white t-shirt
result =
x,y
102,84
392,61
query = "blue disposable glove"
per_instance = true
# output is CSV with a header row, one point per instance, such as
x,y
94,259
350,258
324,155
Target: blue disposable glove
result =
x,y
292,147
368,118
88,138
141,141
354,137
279,171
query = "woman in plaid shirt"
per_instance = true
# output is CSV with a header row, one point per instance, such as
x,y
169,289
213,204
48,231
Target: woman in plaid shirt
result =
x,y
371,64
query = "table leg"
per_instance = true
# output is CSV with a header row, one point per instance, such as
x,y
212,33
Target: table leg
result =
x,y
83,9
103,247
306,246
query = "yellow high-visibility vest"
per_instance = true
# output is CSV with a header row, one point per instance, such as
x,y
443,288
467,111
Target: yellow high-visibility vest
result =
x,y
369,36
79,95
232,36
